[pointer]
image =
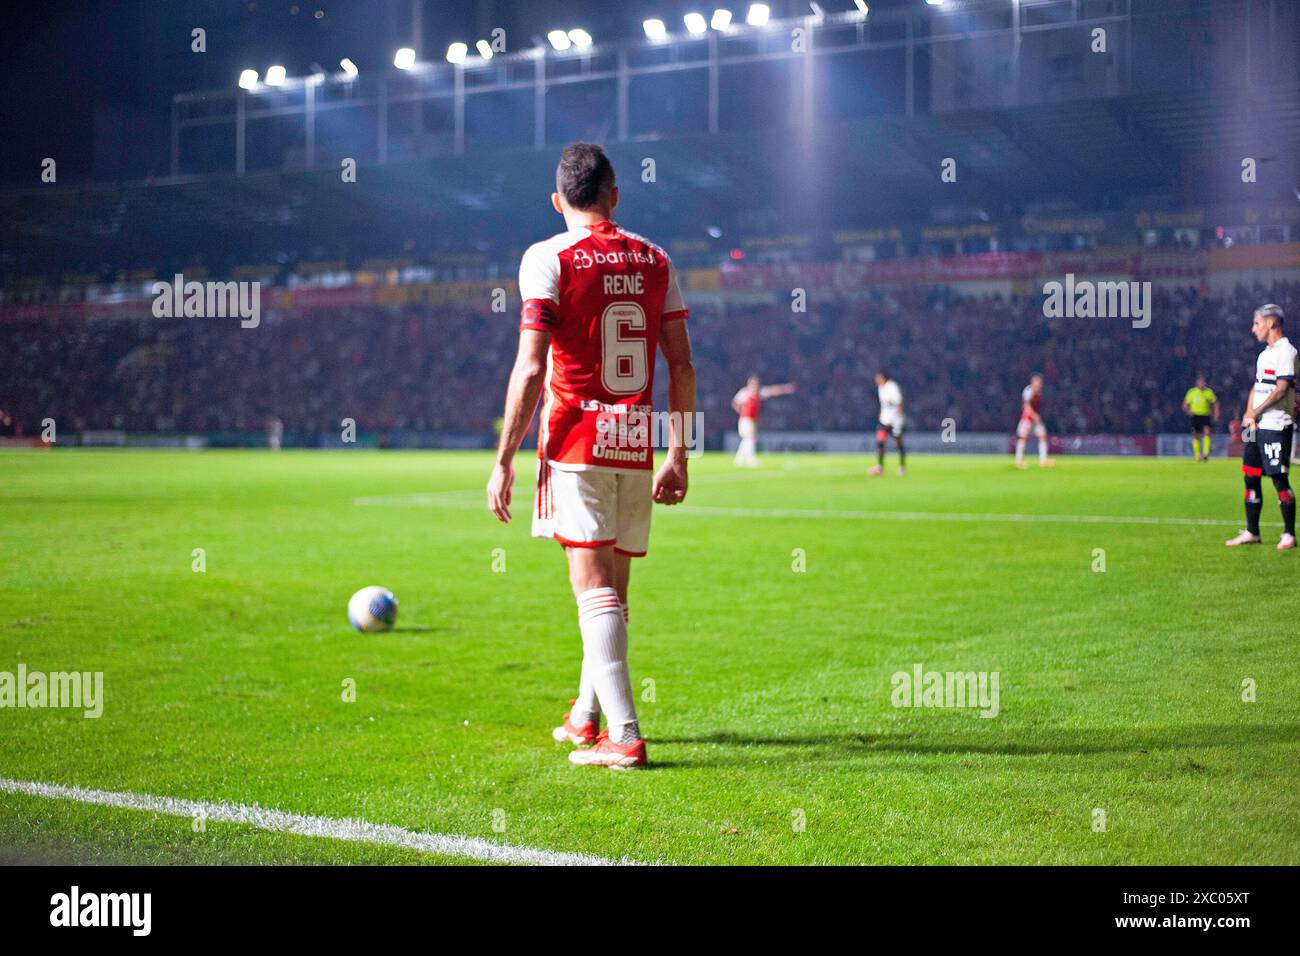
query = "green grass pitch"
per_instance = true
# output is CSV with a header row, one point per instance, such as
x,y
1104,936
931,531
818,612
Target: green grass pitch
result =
x,y
1120,690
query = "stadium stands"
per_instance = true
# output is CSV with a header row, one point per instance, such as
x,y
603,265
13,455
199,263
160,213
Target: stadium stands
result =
x,y
439,370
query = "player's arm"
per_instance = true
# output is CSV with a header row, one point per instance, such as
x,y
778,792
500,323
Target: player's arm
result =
x,y
1187,408
735,400
1027,410
1214,408
521,401
675,345
773,391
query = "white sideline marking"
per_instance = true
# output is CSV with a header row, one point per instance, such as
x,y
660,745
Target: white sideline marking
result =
x,y
356,831
460,501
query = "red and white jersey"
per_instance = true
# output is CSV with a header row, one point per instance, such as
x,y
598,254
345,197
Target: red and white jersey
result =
x,y
750,401
603,294
1031,398
1276,363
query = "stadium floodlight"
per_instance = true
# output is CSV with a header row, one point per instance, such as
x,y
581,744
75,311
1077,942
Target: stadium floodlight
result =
x,y
862,7
275,75
315,79
721,19
404,59
348,67
248,80
695,23
581,39
559,40
935,3
484,49
457,52
758,14
655,29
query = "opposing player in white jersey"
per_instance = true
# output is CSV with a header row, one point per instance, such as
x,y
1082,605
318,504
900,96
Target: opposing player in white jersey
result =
x,y
746,403
598,301
1031,419
890,422
1268,426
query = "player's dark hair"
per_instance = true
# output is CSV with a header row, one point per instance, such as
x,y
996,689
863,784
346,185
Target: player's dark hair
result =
x,y
585,175
1274,312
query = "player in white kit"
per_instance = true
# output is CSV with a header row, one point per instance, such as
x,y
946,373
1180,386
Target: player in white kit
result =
x,y
891,422
1268,425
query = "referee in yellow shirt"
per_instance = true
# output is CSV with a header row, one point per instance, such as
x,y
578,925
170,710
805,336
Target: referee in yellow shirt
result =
x,y
1203,405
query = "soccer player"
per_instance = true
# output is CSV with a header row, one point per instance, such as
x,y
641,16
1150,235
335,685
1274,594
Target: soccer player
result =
x,y
274,434
890,422
1031,419
746,404
1267,426
1201,403
598,301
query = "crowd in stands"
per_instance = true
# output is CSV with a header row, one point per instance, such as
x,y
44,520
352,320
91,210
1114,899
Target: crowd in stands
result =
x,y
443,369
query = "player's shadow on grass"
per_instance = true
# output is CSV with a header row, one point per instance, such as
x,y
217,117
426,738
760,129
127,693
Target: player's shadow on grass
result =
x,y
1047,740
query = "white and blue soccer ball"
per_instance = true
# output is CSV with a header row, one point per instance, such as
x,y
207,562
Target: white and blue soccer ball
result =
x,y
372,609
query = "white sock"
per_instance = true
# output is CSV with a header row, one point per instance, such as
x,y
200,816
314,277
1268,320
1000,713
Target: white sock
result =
x,y
1020,451
604,660
1042,451
585,706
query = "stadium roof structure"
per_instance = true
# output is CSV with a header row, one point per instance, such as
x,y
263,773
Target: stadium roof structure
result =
x,y
855,174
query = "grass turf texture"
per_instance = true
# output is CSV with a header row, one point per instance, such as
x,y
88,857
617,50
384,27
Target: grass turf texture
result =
x,y
1119,690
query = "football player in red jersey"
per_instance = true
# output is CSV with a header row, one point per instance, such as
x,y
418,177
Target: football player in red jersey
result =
x,y
598,302
746,404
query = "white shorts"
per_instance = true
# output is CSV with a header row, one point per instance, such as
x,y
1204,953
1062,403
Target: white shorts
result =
x,y
747,427
1027,425
590,509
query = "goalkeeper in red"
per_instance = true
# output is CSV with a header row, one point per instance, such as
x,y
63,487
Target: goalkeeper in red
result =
x,y
597,303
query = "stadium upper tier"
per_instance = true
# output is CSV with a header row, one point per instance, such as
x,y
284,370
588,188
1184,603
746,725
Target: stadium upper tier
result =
x,y
1036,177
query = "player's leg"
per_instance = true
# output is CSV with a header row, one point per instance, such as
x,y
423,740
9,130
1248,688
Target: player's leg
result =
x,y
576,509
606,648
604,637
586,706
902,452
1022,439
1286,501
1040,432
1252,471
1196,441
746,452
882,435
622,578
1205,443
1276,455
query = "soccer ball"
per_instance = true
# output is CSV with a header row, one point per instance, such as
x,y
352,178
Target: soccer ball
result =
x,y
372,609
